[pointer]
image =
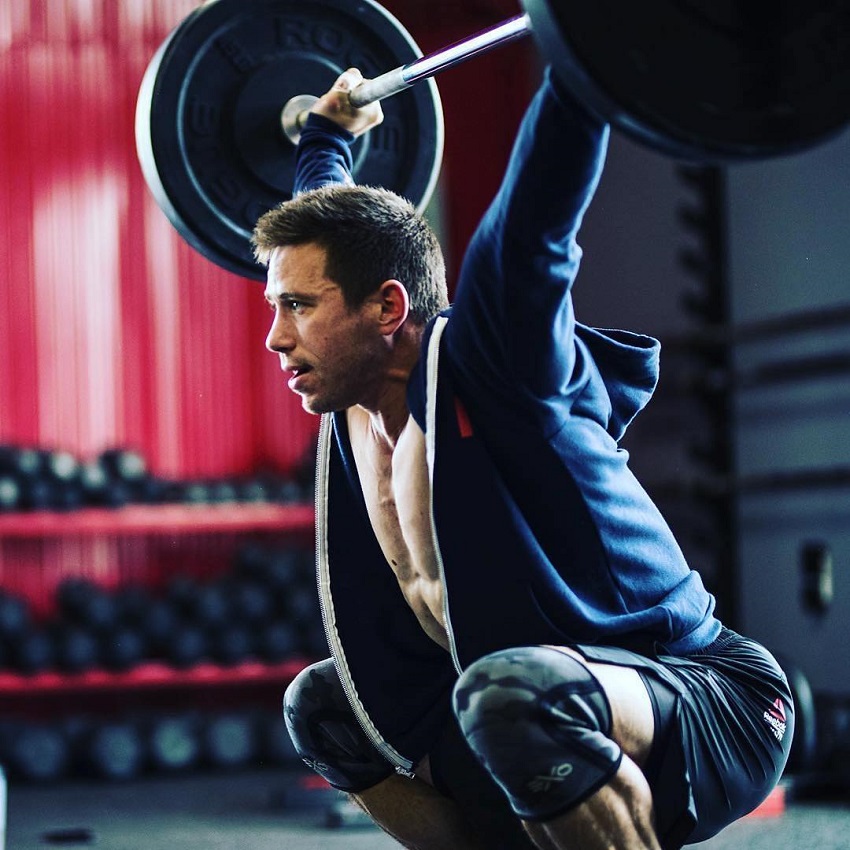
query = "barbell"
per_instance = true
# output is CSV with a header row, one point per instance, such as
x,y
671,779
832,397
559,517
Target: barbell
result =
x,y
222,101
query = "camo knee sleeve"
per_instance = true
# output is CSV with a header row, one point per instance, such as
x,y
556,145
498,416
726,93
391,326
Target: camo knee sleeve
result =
x,y
538,721
326,733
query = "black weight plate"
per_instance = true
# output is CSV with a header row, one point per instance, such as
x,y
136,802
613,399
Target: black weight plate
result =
x,y
208,115
705,80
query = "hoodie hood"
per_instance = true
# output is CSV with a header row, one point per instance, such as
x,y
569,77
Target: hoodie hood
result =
x,y
628,364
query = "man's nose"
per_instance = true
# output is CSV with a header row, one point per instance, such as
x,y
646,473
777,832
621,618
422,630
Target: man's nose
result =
x,y
280,337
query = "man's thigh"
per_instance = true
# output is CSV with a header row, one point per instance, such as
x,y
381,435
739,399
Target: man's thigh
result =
x,y
633,719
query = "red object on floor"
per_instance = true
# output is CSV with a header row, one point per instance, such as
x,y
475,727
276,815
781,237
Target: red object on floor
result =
x,y
314,782
773,805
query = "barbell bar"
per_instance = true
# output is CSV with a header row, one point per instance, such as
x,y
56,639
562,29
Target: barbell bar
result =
x,y
393,82
693,79
399,79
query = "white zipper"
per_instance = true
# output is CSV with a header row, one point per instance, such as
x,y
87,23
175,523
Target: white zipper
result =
x,y
430,451
402,765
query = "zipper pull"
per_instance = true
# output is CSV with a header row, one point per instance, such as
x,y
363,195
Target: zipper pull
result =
x,y
404,771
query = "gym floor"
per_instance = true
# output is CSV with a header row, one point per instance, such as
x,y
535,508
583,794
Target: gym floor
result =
x,y
258,810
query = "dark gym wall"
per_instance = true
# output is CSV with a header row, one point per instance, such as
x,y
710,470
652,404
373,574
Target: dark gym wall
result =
x,y
790,255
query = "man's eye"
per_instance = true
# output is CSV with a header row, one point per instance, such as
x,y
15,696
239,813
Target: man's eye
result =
x,y
293,306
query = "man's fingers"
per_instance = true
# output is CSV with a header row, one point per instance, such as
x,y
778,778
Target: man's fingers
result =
x,y
336,105
348,80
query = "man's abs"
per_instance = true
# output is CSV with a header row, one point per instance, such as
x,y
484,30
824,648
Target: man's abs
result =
x,y
397,491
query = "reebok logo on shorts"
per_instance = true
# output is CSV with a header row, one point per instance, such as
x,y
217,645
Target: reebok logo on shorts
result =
x,y
775,717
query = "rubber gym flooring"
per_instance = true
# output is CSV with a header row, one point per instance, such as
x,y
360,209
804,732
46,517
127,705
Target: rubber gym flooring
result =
x,y
260,810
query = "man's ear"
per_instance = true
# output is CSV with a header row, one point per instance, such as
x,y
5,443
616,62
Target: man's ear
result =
x,y
394,303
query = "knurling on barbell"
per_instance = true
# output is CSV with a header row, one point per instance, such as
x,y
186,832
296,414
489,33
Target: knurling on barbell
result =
x,y
696,80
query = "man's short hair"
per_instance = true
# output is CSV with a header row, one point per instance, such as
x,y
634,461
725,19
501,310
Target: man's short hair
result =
x,y
369,235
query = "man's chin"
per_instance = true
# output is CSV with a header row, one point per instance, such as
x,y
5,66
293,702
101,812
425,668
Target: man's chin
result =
x,y
316,406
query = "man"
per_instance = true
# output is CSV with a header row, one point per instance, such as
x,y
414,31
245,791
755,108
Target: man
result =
x,y
511,621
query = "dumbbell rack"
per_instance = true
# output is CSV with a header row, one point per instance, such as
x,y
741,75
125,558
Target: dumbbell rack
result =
x,y
44,692
50,689
159,519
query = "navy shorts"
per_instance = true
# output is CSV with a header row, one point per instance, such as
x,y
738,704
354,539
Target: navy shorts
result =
x,y
724,726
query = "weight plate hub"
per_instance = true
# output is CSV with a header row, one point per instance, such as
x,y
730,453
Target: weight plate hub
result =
x,y
208,129
705,79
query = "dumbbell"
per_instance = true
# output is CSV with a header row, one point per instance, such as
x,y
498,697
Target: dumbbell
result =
x,y
173,742
76,649
113,750
85,603
15,615
123,648
251,490
256,628
251,602
132,604
229,740
10,493
251,561
124,464
275,568
277,642
232,644
25,462
62,471
119,476
194,493
286,492
32,651
191,600
186,646
208,606
100,488
35,752
222,492
46,480
301,604
161,621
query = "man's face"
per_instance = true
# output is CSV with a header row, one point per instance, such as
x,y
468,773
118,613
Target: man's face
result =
x,y
331,353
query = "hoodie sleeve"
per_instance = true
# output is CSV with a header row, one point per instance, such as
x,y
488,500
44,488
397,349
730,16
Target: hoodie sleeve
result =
x,y
513,326
323,155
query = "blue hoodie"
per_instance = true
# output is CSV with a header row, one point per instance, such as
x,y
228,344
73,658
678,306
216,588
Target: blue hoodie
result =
x,y
543,533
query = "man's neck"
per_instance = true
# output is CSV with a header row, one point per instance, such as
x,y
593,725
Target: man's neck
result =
x,y
388,412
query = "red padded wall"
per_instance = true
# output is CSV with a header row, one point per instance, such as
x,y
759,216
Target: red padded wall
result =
x,y
113,331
